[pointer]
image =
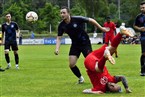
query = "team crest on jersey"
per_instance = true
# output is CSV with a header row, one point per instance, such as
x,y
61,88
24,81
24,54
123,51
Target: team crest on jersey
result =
x,y
74,25
104,80
12,26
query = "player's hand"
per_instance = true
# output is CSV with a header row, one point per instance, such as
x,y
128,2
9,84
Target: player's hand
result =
x,y
1,43
128,90
105,29
142,29
99,92
56,52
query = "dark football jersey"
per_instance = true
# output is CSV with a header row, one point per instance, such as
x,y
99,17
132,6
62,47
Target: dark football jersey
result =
x,y
10,31
140,22
75,29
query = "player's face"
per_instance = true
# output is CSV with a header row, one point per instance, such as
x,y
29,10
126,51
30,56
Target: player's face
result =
x,y
8,17
113,87
64,14
142,8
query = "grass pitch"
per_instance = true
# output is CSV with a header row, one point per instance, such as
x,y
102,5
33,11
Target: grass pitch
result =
x,y
43,74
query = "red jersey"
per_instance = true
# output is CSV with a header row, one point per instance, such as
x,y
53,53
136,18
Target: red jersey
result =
x,y
99,80
112,27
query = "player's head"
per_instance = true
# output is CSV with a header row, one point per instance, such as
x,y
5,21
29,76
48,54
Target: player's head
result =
x,y
108,18
112,87
142,7
8,16
65,12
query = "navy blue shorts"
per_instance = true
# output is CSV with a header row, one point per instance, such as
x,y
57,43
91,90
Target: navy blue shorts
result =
x,y
77,50
11,45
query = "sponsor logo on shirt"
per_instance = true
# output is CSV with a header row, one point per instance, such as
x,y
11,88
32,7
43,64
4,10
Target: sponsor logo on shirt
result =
x,y
104,80
12,26
74,25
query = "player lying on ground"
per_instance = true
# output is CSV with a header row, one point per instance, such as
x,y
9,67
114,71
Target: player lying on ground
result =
x,y
99,76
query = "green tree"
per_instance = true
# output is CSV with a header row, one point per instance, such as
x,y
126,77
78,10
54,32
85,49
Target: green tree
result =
x,y
49,15
16,12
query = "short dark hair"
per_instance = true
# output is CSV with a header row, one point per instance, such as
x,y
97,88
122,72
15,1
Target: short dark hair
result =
x,y
142,3
7,13
64,7
108,17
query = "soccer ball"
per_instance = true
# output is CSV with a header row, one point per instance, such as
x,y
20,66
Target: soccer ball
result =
x,y
31,16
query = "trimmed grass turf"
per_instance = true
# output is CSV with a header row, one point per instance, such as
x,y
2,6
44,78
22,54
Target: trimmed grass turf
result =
x,y
43,74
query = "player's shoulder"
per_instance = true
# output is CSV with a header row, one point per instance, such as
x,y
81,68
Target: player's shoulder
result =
x,y
13,22
4,23
79,17
61,23
139,15
105,23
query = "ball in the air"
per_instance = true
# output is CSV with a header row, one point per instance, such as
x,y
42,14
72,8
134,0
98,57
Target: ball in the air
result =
x,y
31,16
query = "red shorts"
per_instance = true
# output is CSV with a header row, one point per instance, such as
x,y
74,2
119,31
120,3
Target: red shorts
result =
x,y
93,57
108,38
90,62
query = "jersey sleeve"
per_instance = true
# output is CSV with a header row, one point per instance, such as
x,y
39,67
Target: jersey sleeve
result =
x,y
60,30
114,26
122,79
3,30
16,26
136,22
82,19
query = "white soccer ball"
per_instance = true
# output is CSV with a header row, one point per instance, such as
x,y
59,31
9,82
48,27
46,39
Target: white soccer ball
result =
x,y
31,16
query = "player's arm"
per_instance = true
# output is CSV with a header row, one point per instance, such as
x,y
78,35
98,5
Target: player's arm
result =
x,y
137,25
124,82
18,32
58,42
141,29
3,31
89,91
95,23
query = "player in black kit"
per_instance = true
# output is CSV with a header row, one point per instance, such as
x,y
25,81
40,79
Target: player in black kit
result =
x,y
74,26
139,25
9,29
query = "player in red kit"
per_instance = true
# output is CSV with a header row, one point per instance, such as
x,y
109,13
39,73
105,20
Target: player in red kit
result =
x,y
110,34
99,76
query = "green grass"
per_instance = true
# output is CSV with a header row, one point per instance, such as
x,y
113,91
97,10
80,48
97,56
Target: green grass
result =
x,y
42,74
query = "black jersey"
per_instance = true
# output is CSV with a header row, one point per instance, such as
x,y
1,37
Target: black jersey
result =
x,y
76,30
140,22
10,31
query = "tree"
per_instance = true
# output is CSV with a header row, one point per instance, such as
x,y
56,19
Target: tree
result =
x,y
49,15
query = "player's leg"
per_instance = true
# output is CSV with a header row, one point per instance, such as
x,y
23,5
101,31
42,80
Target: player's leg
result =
x,y
73,57
117,39
72,64
142,58
15,50
7,58
111,49
111,39
101,62
106,39
96,60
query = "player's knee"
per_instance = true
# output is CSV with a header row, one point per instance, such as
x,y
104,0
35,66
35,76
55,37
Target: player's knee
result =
x,y
6,51
143,54
97,68
72,65
15,52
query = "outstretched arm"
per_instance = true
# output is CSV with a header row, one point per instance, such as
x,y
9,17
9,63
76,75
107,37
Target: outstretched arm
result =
x,y
124,82
95,23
